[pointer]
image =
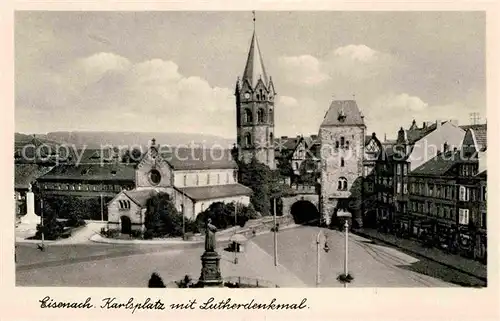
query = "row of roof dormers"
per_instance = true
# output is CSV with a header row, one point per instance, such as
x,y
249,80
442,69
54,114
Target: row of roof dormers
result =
x,y
179,158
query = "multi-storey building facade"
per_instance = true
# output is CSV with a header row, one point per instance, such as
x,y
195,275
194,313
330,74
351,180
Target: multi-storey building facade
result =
x,y
412,148
432,207
373,149
342,135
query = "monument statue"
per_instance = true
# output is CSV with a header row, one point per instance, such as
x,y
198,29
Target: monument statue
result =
x,y
210,230
210,260
30,187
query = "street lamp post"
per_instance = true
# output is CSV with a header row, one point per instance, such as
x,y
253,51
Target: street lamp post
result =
x,y
183,218
235,227
346,258
102,208
318,260
275,235
42,246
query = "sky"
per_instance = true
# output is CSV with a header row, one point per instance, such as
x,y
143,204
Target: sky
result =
x,y
176,71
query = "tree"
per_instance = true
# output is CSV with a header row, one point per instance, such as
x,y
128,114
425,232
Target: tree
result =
x,y
163,219
257,176
223,215
156,281
132,156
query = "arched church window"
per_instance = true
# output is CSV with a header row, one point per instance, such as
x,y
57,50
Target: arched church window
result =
x,y
260,116
271,115
248,139
271,139
342,162
261,95
342,184
248,116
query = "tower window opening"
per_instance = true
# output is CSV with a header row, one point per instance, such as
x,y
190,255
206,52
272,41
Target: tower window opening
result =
x,y
342,184
248,116
260,116
248,139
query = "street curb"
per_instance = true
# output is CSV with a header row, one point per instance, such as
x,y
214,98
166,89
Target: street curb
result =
x,y
482,278
96,238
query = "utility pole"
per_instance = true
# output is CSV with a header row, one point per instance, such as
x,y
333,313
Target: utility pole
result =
x,y
275,235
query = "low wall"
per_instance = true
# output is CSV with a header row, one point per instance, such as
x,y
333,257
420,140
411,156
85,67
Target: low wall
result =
x,y
265,224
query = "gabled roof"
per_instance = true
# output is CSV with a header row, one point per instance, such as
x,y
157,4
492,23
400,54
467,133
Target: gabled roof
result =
x,y
25,174
480,131
139,197
439,165
199,193
91,172
347,108
254,68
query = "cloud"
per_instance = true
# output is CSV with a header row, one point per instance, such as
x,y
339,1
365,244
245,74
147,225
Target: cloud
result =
x,y
342,67
287,101
402,103
305,70
109,90
360,53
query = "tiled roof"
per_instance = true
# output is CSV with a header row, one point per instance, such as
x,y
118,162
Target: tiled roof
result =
x,y
348,108
25,174
438,165
481,131
216,191
140,197
197,158
92,172
417,134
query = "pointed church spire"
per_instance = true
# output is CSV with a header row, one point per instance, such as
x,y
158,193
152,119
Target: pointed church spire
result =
x,y
254,68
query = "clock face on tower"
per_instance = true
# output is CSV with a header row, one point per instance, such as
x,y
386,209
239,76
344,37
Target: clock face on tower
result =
x,y
247,95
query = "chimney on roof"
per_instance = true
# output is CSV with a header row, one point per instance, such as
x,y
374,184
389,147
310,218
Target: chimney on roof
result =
x,y
438,123
445,147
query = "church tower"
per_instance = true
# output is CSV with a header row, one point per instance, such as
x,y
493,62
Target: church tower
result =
x,y
255,110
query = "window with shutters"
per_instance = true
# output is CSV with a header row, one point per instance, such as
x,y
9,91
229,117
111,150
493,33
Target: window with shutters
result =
x,y
463,194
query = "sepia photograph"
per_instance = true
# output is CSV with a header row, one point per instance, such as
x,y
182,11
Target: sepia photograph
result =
x,y
250,149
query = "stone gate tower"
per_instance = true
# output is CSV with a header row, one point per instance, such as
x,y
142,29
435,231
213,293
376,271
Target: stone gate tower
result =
x,y
255,110
342,135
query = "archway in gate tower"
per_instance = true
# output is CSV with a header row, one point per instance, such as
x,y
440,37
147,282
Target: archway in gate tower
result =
x,y
304,212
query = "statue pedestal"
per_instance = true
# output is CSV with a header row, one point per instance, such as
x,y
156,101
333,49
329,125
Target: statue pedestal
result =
x,y
210,270
30,218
